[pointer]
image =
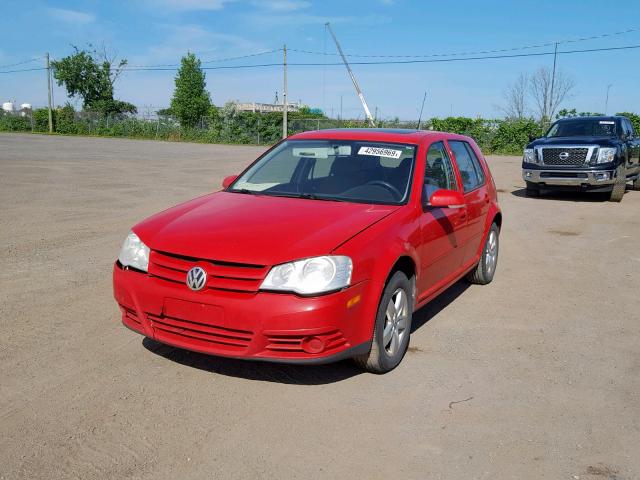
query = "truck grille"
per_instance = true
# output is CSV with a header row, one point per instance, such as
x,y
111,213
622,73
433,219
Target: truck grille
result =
x,y
239,277
564,156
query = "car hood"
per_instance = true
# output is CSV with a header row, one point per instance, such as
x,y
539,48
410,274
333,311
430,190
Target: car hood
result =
x,y
550,142
257,229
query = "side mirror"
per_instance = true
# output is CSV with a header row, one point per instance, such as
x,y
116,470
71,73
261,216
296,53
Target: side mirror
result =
x,y
447,199
532,138
228,181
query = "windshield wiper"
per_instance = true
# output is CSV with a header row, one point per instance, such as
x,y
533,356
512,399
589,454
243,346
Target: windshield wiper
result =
x,y
308,196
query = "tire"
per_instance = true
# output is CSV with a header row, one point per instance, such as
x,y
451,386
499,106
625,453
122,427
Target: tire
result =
x,y
388,351
486,268
636,183
619,187
532,190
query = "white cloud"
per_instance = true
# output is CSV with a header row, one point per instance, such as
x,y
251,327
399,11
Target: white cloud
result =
x,y
281,5
71,16
192,5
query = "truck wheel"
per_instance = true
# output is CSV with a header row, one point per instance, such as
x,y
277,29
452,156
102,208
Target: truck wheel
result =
x,y
486,268
392,326
532,190
619,187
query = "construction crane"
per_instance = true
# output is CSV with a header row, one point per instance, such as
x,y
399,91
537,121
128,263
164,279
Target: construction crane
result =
x,y
367,112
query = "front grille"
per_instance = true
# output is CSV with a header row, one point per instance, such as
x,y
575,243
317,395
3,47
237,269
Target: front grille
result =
x,y
571,156
240,277
205,335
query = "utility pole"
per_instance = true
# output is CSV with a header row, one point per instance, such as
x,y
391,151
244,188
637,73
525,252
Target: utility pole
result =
x,y
284,94
49,91
353,78
606,102
553,79
340,107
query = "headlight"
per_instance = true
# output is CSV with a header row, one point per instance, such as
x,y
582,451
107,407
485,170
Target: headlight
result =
x,y
134,253
529,155
310,276
606,155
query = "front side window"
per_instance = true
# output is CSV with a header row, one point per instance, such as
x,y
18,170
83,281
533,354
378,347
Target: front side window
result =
x,y
438,172
468,164
339,170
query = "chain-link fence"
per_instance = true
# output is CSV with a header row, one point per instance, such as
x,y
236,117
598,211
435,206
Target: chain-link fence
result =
x,y
225,126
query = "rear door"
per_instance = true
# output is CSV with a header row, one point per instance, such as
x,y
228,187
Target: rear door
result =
x,y
476,195
440,251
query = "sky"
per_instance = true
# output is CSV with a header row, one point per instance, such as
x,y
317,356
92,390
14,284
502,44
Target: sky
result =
x,y
159,32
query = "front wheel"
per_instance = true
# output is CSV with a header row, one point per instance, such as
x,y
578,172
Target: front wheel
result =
x,y
532,190
486,268
619,187
392,326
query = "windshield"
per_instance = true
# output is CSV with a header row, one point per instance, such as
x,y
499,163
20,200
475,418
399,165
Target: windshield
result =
x,y
583,128
339,170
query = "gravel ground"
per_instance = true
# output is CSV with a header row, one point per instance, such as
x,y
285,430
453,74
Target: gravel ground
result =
x,y
534,376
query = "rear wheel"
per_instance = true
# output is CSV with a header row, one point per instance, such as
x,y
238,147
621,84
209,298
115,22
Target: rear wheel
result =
x,y
532,190
486,268
619,187
392,326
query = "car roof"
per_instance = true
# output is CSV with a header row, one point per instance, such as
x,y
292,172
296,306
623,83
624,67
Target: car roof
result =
x,y
399,135
592,117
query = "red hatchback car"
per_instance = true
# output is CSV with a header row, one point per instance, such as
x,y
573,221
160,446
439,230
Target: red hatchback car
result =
x,y
320,250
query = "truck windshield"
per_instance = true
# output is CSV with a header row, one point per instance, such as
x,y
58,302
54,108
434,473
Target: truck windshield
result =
x,y
335,170
583,128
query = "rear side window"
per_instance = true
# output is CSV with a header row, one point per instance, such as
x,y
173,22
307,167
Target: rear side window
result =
x,y
468,164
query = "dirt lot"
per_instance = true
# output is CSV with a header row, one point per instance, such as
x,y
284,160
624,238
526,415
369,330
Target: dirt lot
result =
x,y
534,376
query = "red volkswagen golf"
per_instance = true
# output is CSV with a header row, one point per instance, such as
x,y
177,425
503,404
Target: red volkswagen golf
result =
x,y
320,250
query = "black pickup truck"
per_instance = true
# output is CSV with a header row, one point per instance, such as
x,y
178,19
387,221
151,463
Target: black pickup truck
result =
x,y
595,154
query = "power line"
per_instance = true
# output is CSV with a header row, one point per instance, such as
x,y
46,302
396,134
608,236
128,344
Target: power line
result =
x,y
35,59
386,62
215,60
480,52
399,62
24,70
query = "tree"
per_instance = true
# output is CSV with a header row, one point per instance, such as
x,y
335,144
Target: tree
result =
x,y
566,113
515,98
191,100
635,120
546,100
91,74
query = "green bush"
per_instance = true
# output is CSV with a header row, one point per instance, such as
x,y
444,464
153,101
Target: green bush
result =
x,y
14,123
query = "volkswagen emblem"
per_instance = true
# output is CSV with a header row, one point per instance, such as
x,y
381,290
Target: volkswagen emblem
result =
x,y
563,155
196,278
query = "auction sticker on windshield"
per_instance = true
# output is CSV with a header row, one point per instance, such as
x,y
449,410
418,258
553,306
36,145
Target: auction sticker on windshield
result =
x,y
380,152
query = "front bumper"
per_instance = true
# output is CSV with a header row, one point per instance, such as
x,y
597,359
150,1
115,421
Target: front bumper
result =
x,y
268,326
584,179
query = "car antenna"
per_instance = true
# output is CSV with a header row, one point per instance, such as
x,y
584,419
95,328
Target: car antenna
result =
x,y
421,108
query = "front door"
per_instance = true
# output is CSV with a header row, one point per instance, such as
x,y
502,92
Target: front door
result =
x,y
440,252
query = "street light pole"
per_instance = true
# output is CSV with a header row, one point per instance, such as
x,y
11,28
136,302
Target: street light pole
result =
x,y
284,95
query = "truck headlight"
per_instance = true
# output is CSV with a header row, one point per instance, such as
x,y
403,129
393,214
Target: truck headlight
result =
x,y
134,253
529,156
310,276
606,155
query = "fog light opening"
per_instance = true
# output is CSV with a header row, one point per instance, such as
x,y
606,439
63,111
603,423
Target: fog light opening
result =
x,y
601,177
312,344
528,174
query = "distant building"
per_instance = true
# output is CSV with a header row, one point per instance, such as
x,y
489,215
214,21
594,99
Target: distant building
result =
x,y
267,107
